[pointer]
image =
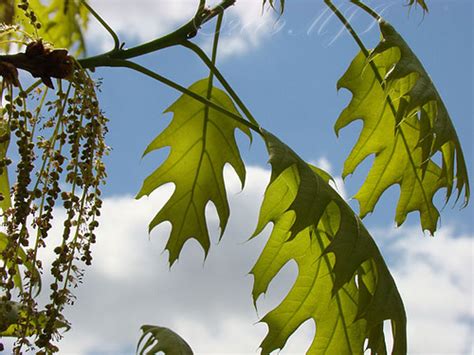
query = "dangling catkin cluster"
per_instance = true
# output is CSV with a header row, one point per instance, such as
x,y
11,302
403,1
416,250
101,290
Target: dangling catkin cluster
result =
x,y
60,151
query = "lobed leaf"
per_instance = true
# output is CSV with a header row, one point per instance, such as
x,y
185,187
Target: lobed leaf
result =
x,y
405,123
63,22
343,283
202,141
162,339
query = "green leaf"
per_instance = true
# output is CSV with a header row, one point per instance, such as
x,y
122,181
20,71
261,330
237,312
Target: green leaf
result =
x,y
9,315
162,339
30,266
14,312
343,283
5,198
405,125
202,141
63,22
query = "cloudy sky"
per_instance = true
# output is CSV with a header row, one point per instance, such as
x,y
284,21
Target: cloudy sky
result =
x,y
285,69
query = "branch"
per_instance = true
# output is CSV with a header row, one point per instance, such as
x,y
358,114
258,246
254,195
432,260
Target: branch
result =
x,y
104,24
40,61
177,37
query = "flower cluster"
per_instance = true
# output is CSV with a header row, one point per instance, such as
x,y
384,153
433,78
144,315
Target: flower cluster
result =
x,y
60,151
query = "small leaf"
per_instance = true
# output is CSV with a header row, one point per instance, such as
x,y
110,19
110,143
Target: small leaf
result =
x,y
12,312
421,3
405,125
5,198
30,266
343,283
162,339
202,141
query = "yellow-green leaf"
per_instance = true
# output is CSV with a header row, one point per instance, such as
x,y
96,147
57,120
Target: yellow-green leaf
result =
x,y
343,283
63,22
201,141
405,125
5,198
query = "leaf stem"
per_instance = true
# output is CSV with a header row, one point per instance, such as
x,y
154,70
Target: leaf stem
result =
x,y
196,49
348,26
214,47
182,89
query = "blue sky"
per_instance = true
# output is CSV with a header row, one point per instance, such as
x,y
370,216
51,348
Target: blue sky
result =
x,y
285,70
288,81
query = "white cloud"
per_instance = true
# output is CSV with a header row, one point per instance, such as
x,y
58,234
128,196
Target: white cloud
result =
x,y
130,283
246,27
435,278
139,20
209,304
245,24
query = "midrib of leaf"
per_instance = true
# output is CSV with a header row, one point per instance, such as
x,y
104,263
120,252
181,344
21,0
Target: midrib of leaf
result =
x,y
206,120
203,150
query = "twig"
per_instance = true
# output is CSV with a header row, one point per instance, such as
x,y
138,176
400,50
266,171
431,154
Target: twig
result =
x,y
177,37
104,24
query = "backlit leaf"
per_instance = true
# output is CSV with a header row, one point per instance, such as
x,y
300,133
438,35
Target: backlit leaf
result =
x,y
63,22
343,283
405,125
201,142
5,198
161,339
